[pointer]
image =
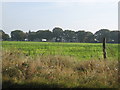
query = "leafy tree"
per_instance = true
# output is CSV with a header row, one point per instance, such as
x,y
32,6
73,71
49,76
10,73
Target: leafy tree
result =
x,y
80,36
114,36
57,33
119,37
31,36
18,35
4,36
89,37
99,35
44,34
69,36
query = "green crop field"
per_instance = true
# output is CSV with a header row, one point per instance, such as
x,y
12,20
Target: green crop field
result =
x,y
59,65
82,51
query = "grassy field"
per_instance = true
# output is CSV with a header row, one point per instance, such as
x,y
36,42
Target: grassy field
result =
x,y
62,65
81,51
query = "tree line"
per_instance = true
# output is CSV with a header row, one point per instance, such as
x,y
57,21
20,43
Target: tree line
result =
x,y
60,35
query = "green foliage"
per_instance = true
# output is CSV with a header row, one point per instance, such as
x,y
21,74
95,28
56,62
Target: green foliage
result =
x,y
18,35
31,36
69,36
44,34
82,51
4,36
58,35
99,35
114,36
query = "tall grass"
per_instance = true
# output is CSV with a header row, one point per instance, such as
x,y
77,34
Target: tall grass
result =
x,y
20,71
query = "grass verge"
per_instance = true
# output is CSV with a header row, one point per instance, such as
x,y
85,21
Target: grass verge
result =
x,y
21,71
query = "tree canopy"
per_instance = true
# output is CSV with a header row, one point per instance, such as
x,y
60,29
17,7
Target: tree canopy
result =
x,y
4,36
60,35
18,35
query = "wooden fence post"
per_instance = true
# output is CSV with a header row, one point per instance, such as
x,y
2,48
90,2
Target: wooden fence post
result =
x,y
104,48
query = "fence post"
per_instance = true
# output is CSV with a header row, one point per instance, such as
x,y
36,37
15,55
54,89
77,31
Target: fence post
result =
x,y
104,48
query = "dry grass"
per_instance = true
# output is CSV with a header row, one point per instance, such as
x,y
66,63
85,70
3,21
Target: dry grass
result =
x,y
19,70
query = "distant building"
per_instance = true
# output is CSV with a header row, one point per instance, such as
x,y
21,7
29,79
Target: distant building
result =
x,y
26,39
96,41
44,40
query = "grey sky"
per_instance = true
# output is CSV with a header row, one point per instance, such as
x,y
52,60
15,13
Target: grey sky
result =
x,y
83,15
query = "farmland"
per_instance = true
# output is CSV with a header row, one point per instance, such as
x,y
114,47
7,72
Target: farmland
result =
x,y
82,51
51,64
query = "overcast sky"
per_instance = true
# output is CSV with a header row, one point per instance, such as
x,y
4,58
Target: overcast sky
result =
x,y
88,15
